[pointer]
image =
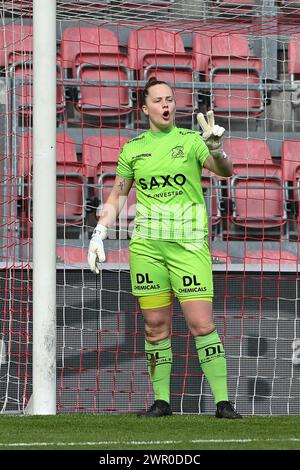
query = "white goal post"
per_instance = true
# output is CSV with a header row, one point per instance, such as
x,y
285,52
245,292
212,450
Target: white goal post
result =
x,y
44,207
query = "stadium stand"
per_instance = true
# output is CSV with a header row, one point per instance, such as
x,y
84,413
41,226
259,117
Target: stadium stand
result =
x,y
100,154
93,54
161,53
291,178
118,256
294,72
73,255
16,49
223,58
256,190
15,44
99,157
70,180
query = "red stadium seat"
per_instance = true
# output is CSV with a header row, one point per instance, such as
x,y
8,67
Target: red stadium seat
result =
x,y
71,255
291,162
100,156
226,59
118,256
15,44
291,178
16,51
70,182
294,71
294,56
94,54
161,53
256,189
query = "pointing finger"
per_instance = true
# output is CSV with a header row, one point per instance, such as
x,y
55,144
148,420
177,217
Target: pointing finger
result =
x,y
202,122
210,118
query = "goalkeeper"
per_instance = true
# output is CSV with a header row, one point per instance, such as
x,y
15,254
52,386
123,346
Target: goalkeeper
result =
x,y
169,249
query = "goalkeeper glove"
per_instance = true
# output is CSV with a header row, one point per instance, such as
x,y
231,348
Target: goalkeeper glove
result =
x,y
212,134
96,248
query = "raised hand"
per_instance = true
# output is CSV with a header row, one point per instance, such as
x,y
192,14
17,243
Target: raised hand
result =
x,y
212,134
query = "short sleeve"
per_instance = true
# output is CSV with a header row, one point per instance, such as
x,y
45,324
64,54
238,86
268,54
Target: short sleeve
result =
x,y
201,149
124,167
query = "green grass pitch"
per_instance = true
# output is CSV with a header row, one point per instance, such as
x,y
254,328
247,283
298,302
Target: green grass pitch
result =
x,y
120,432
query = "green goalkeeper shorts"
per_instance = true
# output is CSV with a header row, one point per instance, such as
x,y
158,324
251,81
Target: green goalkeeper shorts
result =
x,y
158,266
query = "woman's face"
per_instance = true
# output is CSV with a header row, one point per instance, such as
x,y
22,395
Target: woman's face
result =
x,y
160,107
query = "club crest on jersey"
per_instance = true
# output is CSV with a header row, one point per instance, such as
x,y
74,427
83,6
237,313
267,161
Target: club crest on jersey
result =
x,y
178,152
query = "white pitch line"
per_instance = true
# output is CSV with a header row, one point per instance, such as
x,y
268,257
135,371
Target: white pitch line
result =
x,y
101,443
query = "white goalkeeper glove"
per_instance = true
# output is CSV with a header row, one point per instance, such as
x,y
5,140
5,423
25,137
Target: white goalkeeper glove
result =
x,y
212,134
96,249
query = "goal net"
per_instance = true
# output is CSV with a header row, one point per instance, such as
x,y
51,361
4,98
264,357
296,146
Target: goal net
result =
x,y
239,58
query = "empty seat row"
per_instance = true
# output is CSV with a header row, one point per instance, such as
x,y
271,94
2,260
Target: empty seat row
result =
x,y
70,179
94,54
77,182
16,54
260,195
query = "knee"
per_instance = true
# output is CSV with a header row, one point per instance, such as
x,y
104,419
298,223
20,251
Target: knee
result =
x,y
156,331
202,329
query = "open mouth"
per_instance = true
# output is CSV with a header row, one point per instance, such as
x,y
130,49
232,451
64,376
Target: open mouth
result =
x,y
166,114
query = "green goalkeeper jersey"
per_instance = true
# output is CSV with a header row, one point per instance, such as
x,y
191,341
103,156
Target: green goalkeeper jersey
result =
x,y
166,168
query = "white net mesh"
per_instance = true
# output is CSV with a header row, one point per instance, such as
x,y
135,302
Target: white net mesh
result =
x,y
240,59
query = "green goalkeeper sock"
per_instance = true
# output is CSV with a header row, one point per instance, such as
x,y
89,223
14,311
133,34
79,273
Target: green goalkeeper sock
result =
x,y
159,359
213,363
